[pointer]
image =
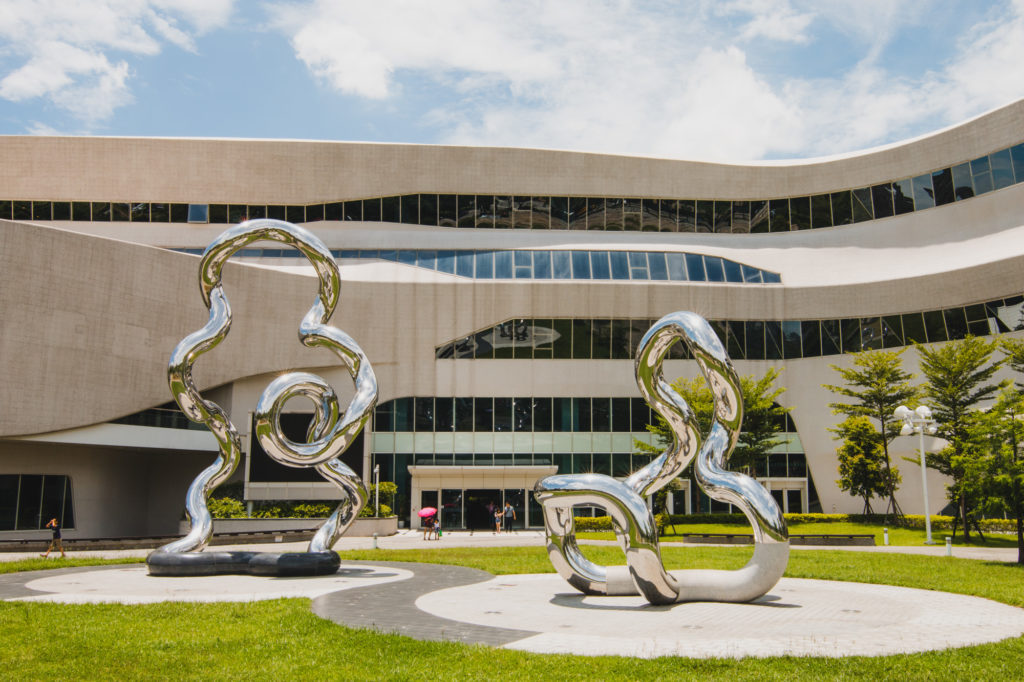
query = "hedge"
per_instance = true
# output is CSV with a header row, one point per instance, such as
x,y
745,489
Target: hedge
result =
x,y
916,521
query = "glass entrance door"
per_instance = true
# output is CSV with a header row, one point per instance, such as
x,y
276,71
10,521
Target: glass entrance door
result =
x,y
479,508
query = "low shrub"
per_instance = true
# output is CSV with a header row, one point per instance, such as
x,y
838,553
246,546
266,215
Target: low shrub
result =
x,y
226,508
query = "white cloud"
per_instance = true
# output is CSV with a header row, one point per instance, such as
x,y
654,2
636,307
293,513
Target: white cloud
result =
x,y
76,54
700,80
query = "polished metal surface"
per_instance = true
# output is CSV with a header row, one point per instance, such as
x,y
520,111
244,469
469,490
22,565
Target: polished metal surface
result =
x,y
332,429
625,501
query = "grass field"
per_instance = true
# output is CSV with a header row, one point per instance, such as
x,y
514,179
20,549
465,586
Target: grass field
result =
x,y
897,536
282,639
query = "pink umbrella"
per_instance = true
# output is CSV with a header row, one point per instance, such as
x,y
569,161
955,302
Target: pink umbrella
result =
x,y
427,511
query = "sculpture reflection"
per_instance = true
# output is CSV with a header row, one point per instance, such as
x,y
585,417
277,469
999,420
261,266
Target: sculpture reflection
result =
x,y
634,523
330,433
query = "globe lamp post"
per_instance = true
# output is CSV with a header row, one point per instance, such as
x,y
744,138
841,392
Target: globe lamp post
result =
x,y
919,421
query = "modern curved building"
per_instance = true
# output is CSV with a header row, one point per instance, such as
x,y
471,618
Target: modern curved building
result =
x,y
499,293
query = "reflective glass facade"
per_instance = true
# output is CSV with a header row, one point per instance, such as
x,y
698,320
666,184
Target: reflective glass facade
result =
x,y
926,190
618,339
29,501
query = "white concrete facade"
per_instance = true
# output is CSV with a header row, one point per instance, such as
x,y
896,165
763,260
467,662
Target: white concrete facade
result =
x,y
91,308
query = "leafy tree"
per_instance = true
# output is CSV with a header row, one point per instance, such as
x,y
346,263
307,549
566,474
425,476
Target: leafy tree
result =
x,y
877,385
762,417
862,471
958,376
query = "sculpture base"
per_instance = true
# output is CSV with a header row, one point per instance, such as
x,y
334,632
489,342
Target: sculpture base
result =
x,y
287,564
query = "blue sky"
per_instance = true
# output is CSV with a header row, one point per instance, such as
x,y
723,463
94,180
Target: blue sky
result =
x,y
727,80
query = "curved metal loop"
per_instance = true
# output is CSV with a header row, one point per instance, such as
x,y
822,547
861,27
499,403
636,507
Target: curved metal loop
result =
x,y
634,523
332,429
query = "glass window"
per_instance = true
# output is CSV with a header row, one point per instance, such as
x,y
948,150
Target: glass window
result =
x,y
842,208
1017,155
631,214
484,264
277,212
620,339
296,214
23,210
903,196
426,259
390,210
821,211
850,330
522,414
577,213
561,414
713,265
871,333
981,173
502,212
540,213
657,269
100,210
339,210
639,415
599,265
595,213
523,261
935,326
581,415
620,264
650,212
810,333
254,212
463,263
542,265
218,213
831,343
424,415
778,215
754,332
800,213
5,210
42,210
942,185
562,344
892,332
913,328
862,204
773,340
956,322
676,266
601,341
61,210
613,214
581,339
561,264
752,275
705,216
463,414
963,185
559,213
600,414
687,220
409,208
446,262
542,414
881,200
638,265
483,414
139,213
159,213
1002,169
735,340
503,265
428,209
199,213
758,216
695,267
444,414
237,213
80,210
723,217
9,498
741,217
447,210
580,265
669,218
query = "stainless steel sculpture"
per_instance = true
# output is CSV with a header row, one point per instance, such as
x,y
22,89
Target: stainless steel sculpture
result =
x,y
625,502
330,433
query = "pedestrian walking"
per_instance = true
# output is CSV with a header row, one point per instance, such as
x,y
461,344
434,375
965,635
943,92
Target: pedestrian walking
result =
x,y
55,541
510,516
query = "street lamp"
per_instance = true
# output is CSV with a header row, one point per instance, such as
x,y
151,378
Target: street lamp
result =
x,y
376,490
919,421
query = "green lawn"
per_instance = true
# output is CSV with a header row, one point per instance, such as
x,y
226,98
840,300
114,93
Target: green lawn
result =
x,y
282,639
897,536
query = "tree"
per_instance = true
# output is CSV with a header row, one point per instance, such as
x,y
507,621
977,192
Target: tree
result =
x,y
877,385
762,417
862,471
958,376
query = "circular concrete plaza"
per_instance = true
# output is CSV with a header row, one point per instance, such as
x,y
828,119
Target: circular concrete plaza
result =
x,y
541,613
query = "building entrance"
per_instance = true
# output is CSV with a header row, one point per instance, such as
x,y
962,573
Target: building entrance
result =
x,y
480,506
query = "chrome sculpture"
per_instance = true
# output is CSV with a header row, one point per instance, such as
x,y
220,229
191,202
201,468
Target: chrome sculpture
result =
x,y
330,433
635,527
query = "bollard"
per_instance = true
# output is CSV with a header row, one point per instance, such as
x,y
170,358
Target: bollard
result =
x,y
949,546
375,541
885,536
